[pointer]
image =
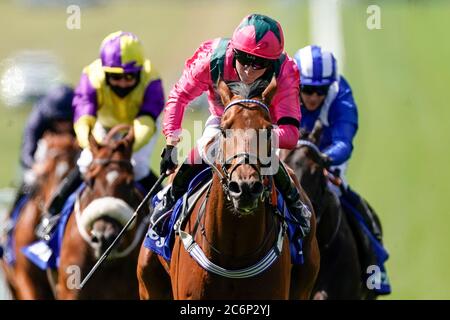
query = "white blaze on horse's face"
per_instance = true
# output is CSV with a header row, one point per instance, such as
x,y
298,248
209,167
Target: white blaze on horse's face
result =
x,y
112,176
61,169
41,151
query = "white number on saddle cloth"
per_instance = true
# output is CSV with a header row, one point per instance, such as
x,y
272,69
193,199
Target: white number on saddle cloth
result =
x,y
159,241
41,250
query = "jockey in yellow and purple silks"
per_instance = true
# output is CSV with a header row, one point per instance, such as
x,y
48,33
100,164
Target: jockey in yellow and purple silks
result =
x,y
121,87
256,51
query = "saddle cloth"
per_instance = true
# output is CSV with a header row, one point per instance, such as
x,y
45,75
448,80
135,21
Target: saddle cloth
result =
x,y
162,245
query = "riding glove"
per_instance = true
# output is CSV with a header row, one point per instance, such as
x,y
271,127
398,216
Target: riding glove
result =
x,y
169,159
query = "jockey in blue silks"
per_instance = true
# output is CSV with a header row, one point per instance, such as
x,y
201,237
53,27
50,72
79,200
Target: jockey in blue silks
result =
x,y
49,111
327,96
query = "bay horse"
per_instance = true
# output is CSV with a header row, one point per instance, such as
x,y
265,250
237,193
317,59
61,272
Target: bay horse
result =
x,y
101,209
58,152
340,270
238,228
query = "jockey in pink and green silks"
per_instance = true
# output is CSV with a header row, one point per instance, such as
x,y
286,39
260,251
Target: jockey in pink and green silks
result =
x,y
256,36
255,52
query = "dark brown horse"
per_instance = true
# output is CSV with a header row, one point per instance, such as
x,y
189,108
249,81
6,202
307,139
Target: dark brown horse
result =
x,y
340,270
101,209
58,152
237,227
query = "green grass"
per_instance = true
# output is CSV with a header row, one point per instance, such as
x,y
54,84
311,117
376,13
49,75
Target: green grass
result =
x,y
399,76
169,30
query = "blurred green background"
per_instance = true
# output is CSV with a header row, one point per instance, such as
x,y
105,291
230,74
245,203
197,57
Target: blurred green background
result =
x,y
399,76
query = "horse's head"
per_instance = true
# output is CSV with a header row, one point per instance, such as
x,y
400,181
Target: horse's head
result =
x,y
246,140
55,156
307,162
110,196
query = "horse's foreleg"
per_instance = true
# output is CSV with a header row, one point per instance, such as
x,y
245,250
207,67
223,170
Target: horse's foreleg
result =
x,y
154,281
303,277
9,278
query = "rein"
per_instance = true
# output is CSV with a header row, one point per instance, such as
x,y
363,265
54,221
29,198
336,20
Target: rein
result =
x,y
330,177
246,158
188,240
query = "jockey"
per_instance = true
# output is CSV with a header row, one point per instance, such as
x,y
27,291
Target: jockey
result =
x,y
121,87
327,96
49,113
256,51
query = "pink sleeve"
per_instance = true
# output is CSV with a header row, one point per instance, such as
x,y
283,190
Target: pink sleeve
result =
x,y
288,136
285,105
286,102
194,81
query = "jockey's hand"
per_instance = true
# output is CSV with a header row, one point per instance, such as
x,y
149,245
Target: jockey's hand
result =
x,y
326,160
169,160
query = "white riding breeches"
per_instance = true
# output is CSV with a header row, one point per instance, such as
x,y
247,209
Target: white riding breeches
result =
x,y
212,129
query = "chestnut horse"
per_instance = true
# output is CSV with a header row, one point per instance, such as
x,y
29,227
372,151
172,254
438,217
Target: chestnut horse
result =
x,y
340,270
241,250
58,153
100,212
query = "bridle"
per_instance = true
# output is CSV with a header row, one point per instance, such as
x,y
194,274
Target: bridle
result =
x,y
220,167
224,174
312,147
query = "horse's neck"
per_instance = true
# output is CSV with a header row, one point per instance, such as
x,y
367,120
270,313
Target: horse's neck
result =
x,y
233,235
47,190
328,211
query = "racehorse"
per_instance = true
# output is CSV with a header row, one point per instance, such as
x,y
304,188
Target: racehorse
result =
x,y
100,211
57,155
340,269
237,245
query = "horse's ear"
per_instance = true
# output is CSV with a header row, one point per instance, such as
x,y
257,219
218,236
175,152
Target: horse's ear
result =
x,y
316,132
224,92
270,91
93,144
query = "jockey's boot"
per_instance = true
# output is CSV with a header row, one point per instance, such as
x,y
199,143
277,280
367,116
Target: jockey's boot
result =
x,y
371,219
51,216
179,186
8,224
21,192
300,211
149,181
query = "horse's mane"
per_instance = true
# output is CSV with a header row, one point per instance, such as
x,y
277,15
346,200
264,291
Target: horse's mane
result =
x,y
248,91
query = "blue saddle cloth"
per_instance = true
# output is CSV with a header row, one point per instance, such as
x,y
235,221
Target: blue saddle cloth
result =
x,y
45,254
349,201
7,251
162,245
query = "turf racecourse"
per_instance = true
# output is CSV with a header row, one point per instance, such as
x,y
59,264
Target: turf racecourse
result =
x,y
399,76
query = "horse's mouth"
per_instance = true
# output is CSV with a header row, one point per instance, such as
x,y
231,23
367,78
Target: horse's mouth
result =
x,y
244,208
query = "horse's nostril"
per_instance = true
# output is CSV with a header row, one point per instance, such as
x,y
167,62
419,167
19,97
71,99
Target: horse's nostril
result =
x,y
234,187
257,188
95,239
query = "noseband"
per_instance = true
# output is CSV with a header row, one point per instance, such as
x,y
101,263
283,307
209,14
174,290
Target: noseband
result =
x,y
244,157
